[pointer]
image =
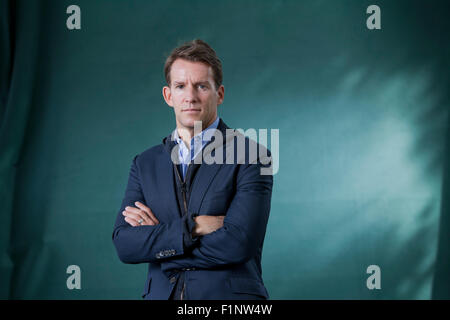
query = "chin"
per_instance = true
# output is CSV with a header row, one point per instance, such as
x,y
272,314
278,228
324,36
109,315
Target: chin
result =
x,y
190,122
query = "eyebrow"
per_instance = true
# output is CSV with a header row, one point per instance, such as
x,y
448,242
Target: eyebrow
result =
x,y
196,83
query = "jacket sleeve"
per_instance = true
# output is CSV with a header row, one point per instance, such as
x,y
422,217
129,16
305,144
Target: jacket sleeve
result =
x,y
243,230
148,243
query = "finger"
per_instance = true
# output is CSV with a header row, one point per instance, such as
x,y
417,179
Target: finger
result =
x,y
131,221
137,217
149,212
130,217
142,214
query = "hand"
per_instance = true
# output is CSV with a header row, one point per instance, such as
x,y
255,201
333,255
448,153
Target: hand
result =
x,y
142,212
206,224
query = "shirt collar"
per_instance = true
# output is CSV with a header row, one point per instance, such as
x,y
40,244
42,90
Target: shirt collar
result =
x,y
213,126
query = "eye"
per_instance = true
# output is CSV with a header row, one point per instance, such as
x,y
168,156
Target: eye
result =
x,y
179,86
202,86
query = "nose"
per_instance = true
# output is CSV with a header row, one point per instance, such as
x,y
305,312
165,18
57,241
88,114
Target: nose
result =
x,y
191,94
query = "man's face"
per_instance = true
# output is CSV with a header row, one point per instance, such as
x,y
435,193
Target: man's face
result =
x,y
192,94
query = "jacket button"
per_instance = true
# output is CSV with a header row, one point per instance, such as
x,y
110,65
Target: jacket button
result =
x,y
173,279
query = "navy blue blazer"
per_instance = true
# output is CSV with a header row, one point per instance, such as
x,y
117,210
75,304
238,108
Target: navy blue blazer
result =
x,y
225,264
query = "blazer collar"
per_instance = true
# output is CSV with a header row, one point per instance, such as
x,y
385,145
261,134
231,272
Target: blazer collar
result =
x,y
204,176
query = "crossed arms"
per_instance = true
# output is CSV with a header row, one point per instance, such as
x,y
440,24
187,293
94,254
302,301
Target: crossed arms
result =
x,y
203,242
204,224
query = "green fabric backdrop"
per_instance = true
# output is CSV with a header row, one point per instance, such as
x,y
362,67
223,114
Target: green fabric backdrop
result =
x,y
364,138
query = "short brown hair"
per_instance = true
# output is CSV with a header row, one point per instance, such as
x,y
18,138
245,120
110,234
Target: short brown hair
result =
x,y
196,51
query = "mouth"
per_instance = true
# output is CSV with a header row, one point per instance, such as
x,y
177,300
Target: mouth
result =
x,y
191,110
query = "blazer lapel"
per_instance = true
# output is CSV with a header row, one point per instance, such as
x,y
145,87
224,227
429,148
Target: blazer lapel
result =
x,y
207,172
166,176
205,176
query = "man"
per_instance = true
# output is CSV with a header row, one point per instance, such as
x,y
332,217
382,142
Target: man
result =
x,y
199,226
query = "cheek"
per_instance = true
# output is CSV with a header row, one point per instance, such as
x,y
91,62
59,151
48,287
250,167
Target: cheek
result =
x,y
212,104
209,99
176,96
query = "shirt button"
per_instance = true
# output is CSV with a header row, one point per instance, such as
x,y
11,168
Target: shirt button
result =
x,y
173,279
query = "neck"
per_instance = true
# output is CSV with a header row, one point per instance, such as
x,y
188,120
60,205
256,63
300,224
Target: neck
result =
x,y
186,133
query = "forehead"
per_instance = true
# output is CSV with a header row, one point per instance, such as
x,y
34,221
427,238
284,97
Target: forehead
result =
x,y
183,69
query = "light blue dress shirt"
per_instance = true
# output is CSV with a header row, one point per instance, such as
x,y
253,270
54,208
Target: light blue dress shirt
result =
x,y
185,156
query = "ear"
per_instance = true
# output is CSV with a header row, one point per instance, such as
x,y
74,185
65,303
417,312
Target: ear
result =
x,y
167,95
220,94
